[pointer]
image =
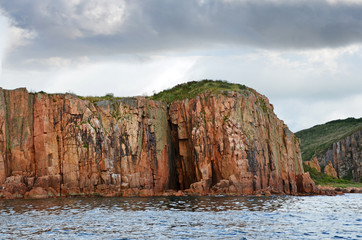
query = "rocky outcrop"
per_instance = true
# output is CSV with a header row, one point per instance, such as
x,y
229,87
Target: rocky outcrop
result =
x,y
227,143
329,170
344,157
304,184
233,143
313,164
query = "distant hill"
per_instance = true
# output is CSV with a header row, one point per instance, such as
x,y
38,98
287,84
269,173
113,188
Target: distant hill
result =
x,y
317,140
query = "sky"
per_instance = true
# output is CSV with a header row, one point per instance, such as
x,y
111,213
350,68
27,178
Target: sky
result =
x,y
305,56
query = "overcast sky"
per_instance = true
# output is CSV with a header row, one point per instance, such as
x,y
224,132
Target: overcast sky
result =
x,y
305,56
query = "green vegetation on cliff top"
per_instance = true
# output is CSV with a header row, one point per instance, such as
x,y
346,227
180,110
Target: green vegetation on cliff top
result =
x,y
182,91
317,140
107,97
190,90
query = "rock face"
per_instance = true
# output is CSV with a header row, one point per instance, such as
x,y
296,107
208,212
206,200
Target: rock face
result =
x,y
345,157
329,170
61,145
313,164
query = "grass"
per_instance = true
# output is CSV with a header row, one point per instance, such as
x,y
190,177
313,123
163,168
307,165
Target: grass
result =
x,y
190,90
316,140
326,180
187,90
108,97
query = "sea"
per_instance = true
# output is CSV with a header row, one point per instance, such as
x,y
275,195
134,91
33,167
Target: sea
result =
x,y
220,217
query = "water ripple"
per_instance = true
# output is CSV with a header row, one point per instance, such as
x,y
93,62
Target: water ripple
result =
x,y
284,217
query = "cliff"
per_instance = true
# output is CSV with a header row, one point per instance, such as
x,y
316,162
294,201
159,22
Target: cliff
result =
x,y
337,147
345,156
215,143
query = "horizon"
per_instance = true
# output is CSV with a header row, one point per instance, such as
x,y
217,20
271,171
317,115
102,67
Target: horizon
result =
x,y
304,56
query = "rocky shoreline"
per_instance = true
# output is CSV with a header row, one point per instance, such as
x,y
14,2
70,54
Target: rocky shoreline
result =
x,y
339,191
41,193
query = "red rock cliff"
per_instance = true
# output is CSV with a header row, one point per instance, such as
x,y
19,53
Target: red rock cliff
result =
x,y
60,145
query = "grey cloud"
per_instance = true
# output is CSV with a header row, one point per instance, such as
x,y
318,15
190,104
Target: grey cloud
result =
x,y
92,27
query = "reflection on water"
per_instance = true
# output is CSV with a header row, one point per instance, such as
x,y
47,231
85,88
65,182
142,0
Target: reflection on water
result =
x,y
283,217
190,204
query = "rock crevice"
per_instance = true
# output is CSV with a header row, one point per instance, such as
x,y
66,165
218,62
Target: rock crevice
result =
x,y
344,158
227,143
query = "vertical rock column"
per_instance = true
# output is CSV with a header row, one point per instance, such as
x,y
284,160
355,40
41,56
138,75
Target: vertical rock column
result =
x,y
16,140
234,143
46,146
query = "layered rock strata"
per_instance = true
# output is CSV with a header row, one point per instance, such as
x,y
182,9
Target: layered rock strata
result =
x,y
227,143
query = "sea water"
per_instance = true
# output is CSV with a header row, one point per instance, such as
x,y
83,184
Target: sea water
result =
x,y
275,217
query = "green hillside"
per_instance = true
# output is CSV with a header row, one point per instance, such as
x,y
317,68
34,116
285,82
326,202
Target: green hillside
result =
x,y
318,139
190,90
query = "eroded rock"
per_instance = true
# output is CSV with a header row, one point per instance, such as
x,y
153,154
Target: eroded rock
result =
x,y
329,170
227,143
313,164
345,157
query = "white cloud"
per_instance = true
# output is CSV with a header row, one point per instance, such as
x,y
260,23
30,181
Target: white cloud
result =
x,y
300,115
58,62
76,18
92,17
13,36
123,77
73,28
356,2
3,42
18,37
329,57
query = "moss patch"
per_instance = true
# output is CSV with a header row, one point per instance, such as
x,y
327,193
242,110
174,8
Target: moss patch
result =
x,y
262,104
